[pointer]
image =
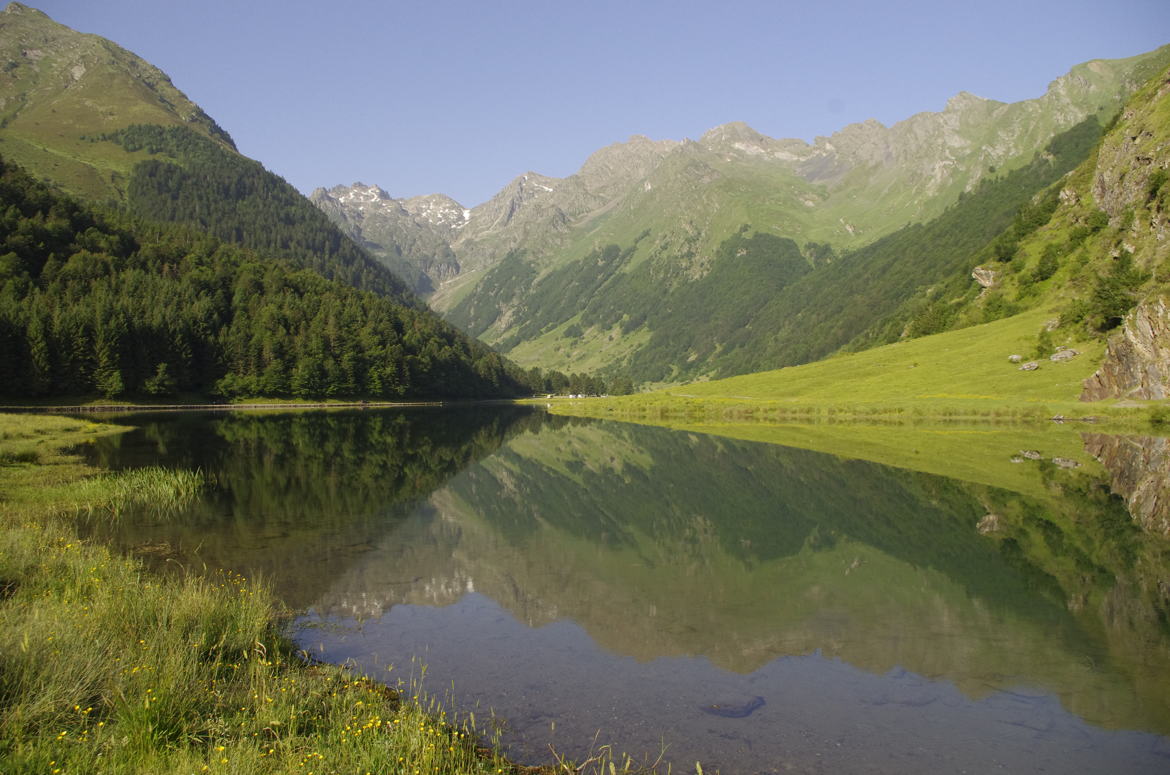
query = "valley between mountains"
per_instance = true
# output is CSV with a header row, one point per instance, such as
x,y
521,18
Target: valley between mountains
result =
x,y
872,535
661,262
658,263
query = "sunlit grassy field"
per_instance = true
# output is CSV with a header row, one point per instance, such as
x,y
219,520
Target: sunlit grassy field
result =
x,y
959,374
951,404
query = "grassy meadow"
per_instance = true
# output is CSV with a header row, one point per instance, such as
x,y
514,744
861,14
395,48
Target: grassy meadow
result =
x,y
951,404
963,374
106,668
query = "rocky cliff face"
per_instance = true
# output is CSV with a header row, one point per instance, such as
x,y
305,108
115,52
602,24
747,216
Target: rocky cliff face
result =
x,y
1137,360
533,209
1127,163
1129,184
1139,470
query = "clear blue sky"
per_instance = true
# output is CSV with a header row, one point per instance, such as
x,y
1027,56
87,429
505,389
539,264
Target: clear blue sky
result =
x,y
461,96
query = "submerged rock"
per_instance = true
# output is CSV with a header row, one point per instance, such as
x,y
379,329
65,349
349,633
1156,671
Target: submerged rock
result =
x,y
734,708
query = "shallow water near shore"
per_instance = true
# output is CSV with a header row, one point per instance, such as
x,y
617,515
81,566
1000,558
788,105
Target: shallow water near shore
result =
x,y
587,580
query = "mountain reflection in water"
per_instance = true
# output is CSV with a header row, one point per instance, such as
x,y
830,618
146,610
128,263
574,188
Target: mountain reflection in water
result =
x,y
576,576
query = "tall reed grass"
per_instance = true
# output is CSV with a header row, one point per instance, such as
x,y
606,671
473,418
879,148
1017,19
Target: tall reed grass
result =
x,y
153,489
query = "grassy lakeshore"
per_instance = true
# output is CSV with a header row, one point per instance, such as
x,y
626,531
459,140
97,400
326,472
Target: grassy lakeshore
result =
x,y
958,375
106,668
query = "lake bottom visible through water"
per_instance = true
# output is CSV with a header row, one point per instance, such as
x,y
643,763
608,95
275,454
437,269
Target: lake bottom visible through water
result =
x,y
556,688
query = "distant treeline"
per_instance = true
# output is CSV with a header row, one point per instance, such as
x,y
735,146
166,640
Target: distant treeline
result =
x,y
99,302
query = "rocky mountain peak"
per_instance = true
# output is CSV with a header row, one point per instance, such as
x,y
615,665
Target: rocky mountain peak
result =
x,y
738,140
522,190
358,199
730,133
615,167
535,183
360,192
438,210
738,137
965,100
16,8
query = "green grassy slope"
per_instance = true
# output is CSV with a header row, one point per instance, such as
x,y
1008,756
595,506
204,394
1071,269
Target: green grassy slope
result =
x,y
961,372
1071,263
1090,249
59,88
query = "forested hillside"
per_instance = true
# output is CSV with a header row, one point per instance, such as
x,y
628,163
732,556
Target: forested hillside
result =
x,y
192,180
183,266
95,302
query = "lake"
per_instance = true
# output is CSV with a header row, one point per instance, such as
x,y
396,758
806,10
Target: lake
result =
x,y
754,606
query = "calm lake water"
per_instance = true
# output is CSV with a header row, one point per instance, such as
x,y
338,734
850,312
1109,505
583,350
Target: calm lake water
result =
x,y
755,607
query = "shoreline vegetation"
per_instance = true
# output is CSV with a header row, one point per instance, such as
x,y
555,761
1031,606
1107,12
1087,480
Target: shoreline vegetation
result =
x,y
107,667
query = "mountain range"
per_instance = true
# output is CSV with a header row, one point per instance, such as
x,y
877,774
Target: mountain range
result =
x,y
658,262
658,224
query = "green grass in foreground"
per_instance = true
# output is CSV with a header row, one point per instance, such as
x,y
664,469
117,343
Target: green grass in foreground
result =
x,y
104,668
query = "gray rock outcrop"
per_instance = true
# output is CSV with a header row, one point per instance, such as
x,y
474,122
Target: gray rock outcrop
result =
x,y
1137,360
987,278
